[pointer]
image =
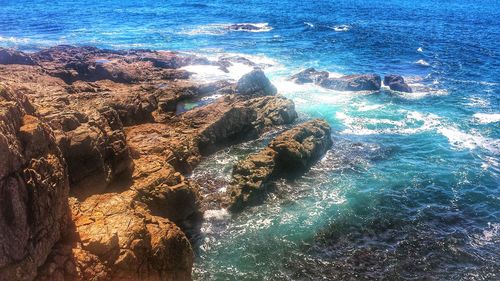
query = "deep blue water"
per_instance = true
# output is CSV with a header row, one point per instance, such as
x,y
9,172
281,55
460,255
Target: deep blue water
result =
x,y
411,189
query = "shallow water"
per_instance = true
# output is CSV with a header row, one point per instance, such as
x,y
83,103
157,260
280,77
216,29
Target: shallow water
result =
x,y
410,189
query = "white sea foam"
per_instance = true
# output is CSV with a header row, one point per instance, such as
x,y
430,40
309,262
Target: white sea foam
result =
x,y
422,63
220,214
478,102
15,40
366,107
223,28
211,73
416,122
33,41
421,93
341,27
485,118
420,50
309,24
461,140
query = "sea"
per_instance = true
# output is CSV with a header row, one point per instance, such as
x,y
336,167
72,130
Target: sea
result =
x,y
411,187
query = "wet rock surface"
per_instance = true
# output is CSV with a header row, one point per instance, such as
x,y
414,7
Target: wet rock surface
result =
x,y
397,83
358,82
309,75
292,151
355,82
94,183
255,83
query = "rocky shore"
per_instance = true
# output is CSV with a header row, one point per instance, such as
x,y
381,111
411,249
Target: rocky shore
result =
x,y
96,156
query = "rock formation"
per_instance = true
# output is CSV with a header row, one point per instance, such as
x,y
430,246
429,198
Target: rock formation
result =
x,y
255,83
293,151
360,82
95,154
357,82
309,75
33,188
397,83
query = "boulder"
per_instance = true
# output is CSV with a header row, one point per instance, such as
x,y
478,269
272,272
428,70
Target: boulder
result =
x,y
255,83
298,148
309,75
289,154
9,56
33,188
396,83
358,82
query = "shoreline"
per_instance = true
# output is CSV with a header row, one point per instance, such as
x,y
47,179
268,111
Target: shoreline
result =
x,y
124,153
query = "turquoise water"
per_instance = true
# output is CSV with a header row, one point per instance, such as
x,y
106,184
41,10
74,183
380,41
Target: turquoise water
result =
x,y
410,189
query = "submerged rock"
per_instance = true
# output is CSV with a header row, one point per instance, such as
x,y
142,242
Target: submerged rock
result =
x,y
292,152
397,83
309,75
244,27
357,82
255,83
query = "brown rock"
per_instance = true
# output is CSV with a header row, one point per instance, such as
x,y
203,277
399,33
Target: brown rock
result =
x,y
33,188
292,152
119,240
9,56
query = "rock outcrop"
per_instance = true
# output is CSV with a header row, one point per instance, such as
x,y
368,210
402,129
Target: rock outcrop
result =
x,y
309,75
292,152
397,83
356,82
33,188
126,243
100,130
9,56
255,83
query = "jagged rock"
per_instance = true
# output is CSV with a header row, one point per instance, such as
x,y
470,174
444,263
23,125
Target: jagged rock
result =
x,y
255,83
158,184
92,64
232,119
272,111
126,152
33,188
117,239
358,82
9,56
169,96
299,147
397,83
96,150
309,75
292,152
